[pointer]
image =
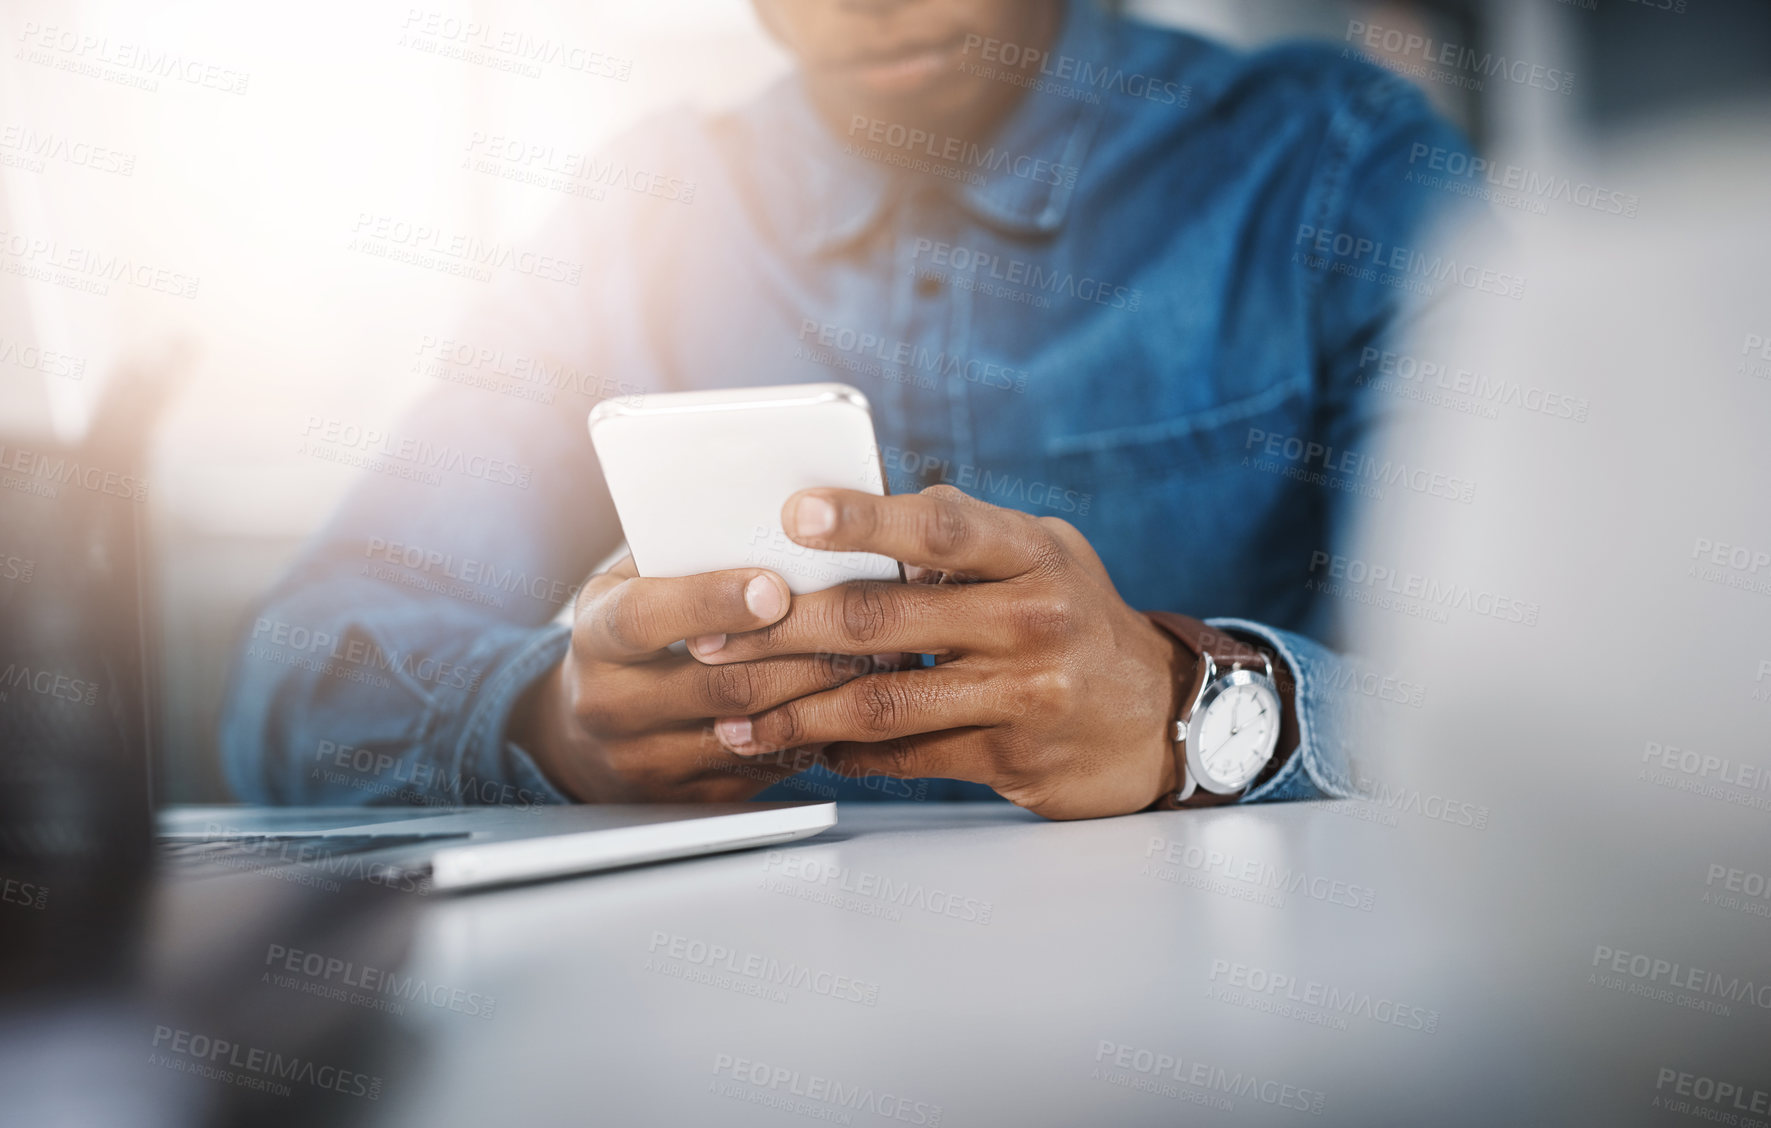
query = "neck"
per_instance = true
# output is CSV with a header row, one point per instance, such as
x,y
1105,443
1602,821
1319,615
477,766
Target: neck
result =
x,y
971,111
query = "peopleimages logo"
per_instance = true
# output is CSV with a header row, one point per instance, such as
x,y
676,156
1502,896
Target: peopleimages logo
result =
x,y
1430,593
337,440
959,151
432,247
821,880
1355,466
1080,79
575,173
907,355
505,48
88,271
333,977
1505,183
411,781
24,147
986,270
25,355
1706,766
1649,972
1314,994
50,471
780,1087
1755,347
1153,1066
47,683
329,653
1414,801
122,62
721,961
1418,51
251,1067
1392,264
1399,372
1708,1090
1730,565
1742,890
1258,873
914,470
468,570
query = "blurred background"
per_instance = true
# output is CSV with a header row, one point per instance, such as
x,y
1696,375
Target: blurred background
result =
x,y
234,194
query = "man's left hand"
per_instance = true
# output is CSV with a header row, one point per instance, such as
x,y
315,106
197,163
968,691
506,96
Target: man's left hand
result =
x,y
1047,687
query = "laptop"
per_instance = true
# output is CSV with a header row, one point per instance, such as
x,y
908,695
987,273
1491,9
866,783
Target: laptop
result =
x,y
457,848
77,729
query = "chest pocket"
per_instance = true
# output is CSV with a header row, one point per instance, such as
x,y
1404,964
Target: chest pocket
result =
x,y
1198,441
1181,509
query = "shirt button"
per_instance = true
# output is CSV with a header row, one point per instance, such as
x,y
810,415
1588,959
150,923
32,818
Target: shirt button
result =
x,y
927,285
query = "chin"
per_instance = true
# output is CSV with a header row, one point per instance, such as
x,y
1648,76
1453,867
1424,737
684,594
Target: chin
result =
x,y
943,104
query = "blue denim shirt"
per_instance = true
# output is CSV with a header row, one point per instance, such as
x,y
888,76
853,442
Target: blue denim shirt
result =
x,y
1142,306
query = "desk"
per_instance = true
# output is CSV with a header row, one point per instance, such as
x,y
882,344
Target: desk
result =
x,y
1297,964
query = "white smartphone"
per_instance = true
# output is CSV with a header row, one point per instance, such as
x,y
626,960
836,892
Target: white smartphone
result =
x,y
699,478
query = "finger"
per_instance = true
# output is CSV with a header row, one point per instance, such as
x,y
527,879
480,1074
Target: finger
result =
x,y
630,618
637,698
601,583
939,528
875,708
952,754
873,617
685,761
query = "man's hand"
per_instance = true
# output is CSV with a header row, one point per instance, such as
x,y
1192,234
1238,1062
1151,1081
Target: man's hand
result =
x,y
1048,687
622,719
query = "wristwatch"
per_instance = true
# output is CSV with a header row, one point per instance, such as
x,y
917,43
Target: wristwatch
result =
x,y
1231,714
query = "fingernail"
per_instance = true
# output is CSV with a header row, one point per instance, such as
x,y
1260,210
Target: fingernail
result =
x,y
707,644
734,732
813,517
764,598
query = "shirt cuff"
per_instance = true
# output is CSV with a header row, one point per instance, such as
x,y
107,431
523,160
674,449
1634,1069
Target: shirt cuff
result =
x,y
489,768
1318,769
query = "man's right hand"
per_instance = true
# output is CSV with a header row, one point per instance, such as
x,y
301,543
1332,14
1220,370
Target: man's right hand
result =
x,y
622,719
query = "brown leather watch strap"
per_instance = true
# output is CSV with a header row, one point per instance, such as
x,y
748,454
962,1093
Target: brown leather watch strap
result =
x,y
1226,650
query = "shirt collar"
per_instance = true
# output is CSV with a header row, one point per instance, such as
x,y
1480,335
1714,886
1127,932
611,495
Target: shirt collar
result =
x,y
1026,179
1037,153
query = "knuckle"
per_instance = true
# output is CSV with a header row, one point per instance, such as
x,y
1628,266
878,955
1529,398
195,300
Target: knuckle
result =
x,y
945,491
622,618
867,615
1059,529
943,529
591,716
897,758
785,728
1048,616
732,689
833,670
1050,687
771,639
633,761
1049,551
878,705
584,628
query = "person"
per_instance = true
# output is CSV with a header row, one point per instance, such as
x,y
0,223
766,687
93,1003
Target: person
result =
x,y
1107,287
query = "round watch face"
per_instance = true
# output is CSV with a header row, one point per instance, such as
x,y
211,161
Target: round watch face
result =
x,y
1235,732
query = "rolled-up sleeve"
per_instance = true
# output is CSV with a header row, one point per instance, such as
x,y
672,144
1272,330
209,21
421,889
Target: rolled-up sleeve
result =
x,y
383,667
1319,768
1366,189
